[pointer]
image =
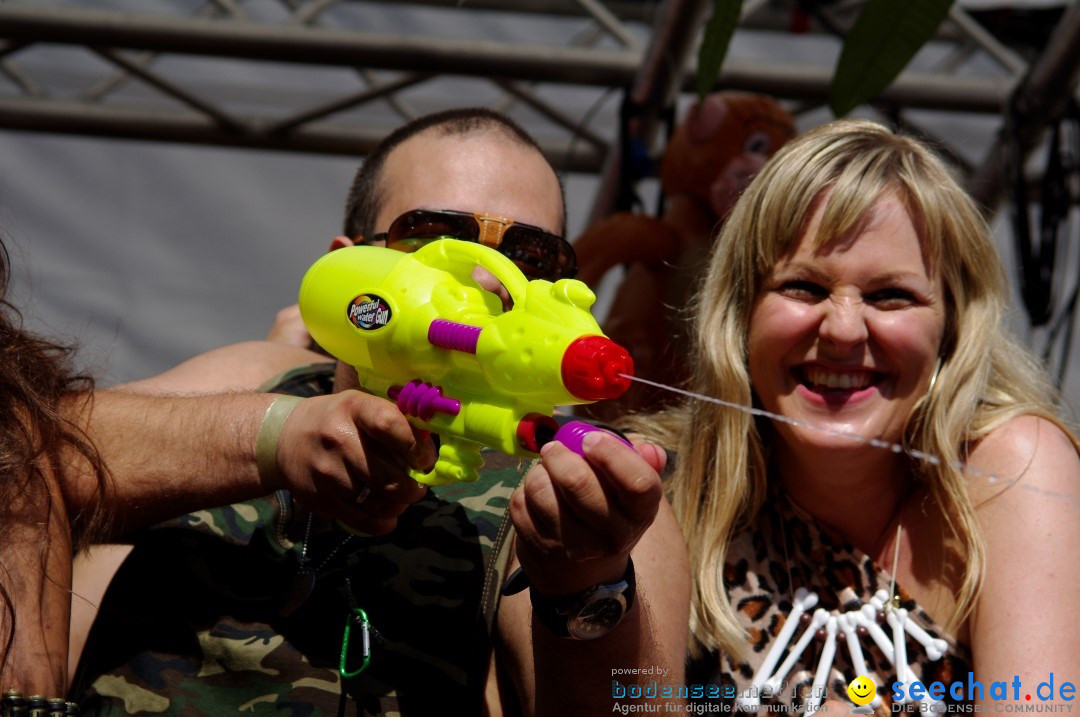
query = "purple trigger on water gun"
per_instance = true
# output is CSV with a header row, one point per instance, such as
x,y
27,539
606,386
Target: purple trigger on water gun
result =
x,y
418,398
573,433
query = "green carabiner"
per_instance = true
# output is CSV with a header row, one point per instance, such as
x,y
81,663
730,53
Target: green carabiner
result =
x,y
360,616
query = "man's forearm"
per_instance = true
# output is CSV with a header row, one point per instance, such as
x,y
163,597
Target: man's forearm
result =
x,y
560,676
575,677
171,451
167,455
173,455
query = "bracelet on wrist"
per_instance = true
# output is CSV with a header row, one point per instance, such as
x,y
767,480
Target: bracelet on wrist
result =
x,y
14,704
266,443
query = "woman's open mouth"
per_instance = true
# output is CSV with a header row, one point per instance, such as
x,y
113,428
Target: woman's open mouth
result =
x,y
837,386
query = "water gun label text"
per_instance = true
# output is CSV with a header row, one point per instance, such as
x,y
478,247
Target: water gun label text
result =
x,y
369,312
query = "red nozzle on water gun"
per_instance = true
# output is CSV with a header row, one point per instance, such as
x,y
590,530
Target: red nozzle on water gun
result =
x,y
591,368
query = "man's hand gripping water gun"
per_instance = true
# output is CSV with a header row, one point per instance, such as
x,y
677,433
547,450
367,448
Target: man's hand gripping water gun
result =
x,y
420,331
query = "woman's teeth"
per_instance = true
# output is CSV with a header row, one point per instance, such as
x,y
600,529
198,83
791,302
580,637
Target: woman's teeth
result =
x,y
843,380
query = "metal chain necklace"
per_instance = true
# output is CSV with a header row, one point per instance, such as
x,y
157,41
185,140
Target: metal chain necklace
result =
x,y
303,582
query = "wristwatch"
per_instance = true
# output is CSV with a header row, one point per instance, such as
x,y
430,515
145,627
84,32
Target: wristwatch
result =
x,y
585,615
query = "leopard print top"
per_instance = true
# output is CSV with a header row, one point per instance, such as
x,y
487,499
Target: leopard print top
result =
x,y
759,586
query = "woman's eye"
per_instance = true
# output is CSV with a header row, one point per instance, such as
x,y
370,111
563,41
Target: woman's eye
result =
x,y
803,290
891,298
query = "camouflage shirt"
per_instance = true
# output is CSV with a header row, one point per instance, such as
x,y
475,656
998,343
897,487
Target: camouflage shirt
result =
x,y
242,609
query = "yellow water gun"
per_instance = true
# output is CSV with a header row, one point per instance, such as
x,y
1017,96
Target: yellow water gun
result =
x,y
422,332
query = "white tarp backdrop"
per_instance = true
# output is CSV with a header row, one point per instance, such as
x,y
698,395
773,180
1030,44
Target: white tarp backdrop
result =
x,y
146,254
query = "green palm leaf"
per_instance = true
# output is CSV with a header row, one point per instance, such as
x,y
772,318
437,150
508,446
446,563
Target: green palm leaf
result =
x,y
714,45
886,35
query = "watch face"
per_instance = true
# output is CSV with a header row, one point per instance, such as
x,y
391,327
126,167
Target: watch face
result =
x,y
602,612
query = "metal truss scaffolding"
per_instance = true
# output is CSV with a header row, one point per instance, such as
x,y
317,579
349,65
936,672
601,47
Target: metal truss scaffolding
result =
x,y
334,76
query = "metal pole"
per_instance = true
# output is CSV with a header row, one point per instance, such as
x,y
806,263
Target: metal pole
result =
x,y
654,88
910,90
1039,99
321,46
190,128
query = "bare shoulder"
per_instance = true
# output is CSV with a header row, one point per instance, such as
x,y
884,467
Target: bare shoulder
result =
x,y
1028,455
1027,502
237,367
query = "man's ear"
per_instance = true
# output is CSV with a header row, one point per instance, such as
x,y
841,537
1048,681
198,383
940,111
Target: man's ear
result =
x,y
343,241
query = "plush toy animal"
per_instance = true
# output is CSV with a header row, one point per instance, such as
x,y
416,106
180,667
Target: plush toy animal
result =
x,y
710,159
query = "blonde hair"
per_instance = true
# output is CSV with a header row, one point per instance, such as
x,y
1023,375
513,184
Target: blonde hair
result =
x,y
720,479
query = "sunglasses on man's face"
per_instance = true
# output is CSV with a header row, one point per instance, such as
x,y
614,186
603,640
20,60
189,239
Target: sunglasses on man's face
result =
x,y
539,254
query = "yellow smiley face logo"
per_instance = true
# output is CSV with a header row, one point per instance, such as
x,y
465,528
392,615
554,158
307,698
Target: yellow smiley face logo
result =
x,y
862,690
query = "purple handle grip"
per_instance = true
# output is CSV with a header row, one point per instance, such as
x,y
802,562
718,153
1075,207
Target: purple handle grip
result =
x,y
573,433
